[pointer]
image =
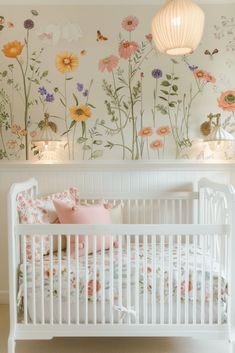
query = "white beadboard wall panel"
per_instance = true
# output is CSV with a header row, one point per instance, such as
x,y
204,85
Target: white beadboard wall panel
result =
x,y
100,179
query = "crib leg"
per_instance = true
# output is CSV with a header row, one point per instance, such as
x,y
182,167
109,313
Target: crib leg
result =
x,y
11,344
231,346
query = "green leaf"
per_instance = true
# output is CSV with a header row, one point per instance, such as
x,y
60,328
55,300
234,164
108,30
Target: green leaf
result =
x,y
81,140
69,78
75,98
165,92
86,147
163,98
34,12
165,83
172,104
45,73
168,77
175,88
97,154
91,105
62,102
174,61
73,122
97,142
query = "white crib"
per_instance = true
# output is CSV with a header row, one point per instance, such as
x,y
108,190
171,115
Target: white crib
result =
x,y
170,273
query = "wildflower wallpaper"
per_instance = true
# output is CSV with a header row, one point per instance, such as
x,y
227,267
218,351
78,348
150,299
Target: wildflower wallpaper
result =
x,y
91,78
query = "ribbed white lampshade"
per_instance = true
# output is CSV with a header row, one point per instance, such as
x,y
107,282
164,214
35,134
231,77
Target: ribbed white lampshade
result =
x,y
177,27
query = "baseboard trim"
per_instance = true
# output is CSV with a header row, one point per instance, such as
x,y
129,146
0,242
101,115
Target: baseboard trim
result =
x,y
4,297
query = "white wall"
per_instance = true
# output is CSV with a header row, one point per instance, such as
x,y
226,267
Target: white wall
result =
x,y
97,178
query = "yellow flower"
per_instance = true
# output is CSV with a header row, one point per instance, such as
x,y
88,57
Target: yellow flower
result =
x,y
12,49
66,62
80,113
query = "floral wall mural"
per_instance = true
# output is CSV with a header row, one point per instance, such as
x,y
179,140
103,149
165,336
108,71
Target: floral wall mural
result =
x,y
95,80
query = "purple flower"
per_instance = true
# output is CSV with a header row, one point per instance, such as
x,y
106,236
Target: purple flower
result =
x,y
28,24
42,91
85,93
50,97
193,67
80,87
157,73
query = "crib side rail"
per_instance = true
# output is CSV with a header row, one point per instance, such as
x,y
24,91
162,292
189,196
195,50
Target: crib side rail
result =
x,y
157,266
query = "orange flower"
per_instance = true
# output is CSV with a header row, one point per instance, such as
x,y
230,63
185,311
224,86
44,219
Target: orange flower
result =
x,y
226,101
109,63
80,113
66,62
209,78
145,132
12,49
163,131
199,73
156,145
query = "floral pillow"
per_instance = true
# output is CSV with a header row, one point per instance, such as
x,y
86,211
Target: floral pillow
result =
x,y
42,211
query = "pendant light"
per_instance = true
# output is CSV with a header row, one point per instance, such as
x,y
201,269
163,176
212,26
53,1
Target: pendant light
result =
x,y
177,27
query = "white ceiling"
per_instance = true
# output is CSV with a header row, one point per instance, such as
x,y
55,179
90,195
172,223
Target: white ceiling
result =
x,y
102,2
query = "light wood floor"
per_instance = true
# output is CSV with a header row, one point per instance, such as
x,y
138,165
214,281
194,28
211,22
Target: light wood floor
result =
x,y
108,345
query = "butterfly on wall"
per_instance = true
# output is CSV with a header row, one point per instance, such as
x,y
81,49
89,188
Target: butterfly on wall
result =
x,y
83,52
208,52
100,37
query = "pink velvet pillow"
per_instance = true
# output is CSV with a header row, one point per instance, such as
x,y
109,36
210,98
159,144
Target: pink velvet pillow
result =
x,y
83,214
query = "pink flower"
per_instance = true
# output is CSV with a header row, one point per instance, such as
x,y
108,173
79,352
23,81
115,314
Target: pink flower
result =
x,y
130,23
163,131
126,49
149,37
156,145
33,133
91,287
109,63
227,101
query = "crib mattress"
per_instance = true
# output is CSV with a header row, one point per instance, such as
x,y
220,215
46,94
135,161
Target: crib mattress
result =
x,y
202,268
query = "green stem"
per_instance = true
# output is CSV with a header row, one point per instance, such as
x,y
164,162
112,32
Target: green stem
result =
x,y
120,145
120,116
25,108
3,142
84,134
65,115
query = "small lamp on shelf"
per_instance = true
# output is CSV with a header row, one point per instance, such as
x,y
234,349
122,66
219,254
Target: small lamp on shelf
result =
x,y
47,143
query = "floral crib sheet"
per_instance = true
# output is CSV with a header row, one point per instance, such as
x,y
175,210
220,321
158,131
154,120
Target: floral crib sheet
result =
x,y
202,274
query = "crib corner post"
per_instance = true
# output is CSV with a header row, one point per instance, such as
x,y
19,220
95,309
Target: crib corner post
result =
x,y
231,346
11,343
231,311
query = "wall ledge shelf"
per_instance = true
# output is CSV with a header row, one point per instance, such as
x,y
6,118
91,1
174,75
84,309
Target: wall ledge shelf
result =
x,y
117,166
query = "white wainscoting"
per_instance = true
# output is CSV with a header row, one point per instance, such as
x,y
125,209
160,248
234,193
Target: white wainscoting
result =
x,y
98,178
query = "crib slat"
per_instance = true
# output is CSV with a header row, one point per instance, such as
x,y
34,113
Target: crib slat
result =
x,y
60,284
179,279
170,296
137,278
95,283
68,282
128,278
195,241
151,211
162,277
145,266
187,287
119,275
25,281
211,300
103,279
203,283
111,278
33,278
219,280
77,278
51,281
42,279
86,278
154,296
